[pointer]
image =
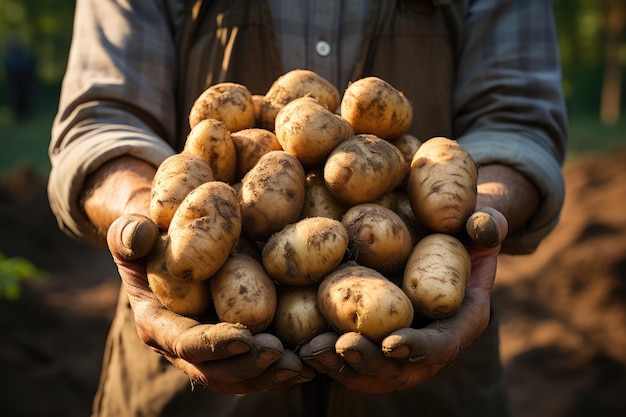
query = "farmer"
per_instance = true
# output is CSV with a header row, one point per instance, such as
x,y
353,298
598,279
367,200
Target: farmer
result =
x,y
484,72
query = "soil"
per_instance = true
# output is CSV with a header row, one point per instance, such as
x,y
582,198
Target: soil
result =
x,y
562,309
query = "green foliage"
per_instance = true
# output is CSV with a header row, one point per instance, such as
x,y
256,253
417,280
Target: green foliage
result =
x,y
44,27
12,271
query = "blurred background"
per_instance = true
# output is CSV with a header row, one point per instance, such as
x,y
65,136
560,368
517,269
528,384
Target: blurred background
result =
x,y
562,310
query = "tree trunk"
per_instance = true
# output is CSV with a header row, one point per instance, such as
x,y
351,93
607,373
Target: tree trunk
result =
x,y
610,109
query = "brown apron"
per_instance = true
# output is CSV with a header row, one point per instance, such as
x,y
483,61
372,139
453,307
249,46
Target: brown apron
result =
x,y
234,40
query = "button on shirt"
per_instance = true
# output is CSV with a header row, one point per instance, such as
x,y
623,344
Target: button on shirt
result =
x,y
329,40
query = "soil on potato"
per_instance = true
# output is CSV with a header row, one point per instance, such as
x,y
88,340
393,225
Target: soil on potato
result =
x,y
562,310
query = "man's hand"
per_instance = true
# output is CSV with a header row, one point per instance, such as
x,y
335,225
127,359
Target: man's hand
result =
x,y
225,357
409,356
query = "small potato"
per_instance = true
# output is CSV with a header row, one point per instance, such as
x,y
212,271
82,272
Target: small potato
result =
x,y
271,194
302,253
251,145
318,201
298,319
436,274
354,298
203,232
211,141
227,102
308,130
374,106
379,238
294,84
257,100
362,168
243,293
189,299
397,201
442,186
174,179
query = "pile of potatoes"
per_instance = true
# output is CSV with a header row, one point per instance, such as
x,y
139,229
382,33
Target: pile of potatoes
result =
x,y
302,210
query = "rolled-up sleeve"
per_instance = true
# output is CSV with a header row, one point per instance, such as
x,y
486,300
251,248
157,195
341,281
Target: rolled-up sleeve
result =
x,y
509,107
117,99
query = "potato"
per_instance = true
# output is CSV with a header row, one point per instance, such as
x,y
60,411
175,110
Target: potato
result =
x,y
308,130
374,106
397,201
203,232
436,275
251,145
298,319
294,84
257,101
243,293
271,194
408,145
362,168
211,141
379,238
302,253
354,298
318,201
442,186
227,102
187,298
174,179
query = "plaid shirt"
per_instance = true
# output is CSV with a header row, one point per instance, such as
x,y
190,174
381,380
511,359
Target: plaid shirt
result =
x,y
118,91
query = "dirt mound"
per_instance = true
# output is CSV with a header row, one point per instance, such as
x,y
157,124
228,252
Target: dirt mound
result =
x,y
562,310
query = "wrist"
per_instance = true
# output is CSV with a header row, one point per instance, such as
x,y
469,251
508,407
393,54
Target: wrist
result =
x,y
121,186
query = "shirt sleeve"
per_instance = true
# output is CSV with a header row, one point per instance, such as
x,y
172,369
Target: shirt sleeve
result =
x,y
117,98
508,103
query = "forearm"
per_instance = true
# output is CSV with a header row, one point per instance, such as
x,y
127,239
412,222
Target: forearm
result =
x,y
120,186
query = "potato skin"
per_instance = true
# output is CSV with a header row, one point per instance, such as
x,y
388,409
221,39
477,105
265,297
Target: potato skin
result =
x,y
271,194
243,293
211,141
187,298
174,179
308,130
436,275
251,145
374,106
230,103
379,238
294,84
354,298
362,168
203,232
302,253
298,318
442,186
318,201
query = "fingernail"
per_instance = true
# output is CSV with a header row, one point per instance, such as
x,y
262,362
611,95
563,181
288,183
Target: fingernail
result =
x,y
400,352
267,357
327,358
237,347
353,356
284,374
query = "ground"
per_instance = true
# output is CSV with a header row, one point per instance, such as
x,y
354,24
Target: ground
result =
x,y
562,310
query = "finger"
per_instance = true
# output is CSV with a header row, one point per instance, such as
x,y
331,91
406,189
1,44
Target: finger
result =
x,y
132,236
486,227
363,356
320,351
440,342
235,374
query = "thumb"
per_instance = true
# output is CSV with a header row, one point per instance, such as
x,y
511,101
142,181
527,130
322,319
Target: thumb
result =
x,y
132,236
